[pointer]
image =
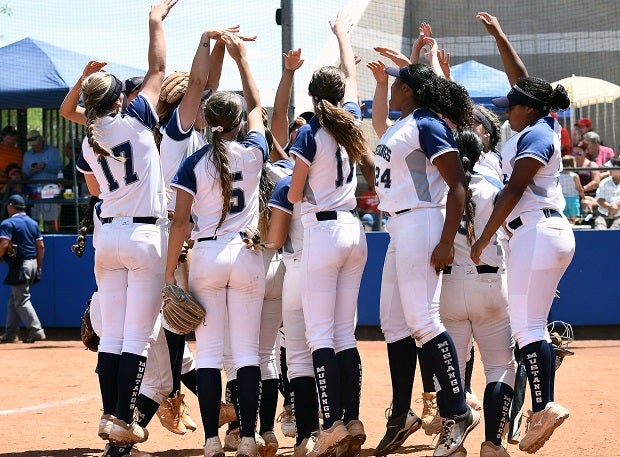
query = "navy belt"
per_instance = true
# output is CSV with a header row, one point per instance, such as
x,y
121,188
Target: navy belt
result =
x,y
547,212
480,268
207,238
135,220
330,215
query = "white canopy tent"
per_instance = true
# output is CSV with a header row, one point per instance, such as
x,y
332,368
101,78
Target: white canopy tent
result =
x,y
585,92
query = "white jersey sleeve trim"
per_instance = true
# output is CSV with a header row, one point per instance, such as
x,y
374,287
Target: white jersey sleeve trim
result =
x,y
189,191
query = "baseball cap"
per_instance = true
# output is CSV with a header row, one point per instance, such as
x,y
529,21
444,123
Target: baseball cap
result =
x,y
584,122
17,201
33,136
132,84
404,74
518,96
9,130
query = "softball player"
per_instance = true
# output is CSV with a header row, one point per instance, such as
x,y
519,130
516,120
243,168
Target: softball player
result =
x,y
474,302
286,231
531,207
121,165
334,247
416,166
219,183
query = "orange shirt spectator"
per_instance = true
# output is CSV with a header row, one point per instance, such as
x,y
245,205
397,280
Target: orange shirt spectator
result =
x,y
9,152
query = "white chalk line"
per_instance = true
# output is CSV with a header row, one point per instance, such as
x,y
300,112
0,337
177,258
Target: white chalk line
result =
x,y
55,404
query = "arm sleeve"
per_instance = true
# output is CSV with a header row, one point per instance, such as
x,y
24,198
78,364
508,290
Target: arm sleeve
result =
x,y
535,143
304,146
141,109
435,137
257,140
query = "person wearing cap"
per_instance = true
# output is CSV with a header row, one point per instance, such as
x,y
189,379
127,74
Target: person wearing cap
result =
x,y
582,126
42,162
530,208
421,185
21,246
9,151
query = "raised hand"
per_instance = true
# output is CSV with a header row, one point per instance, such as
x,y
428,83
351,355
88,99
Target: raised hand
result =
x,y
92,67
234,46
293,60
161,10
378,71
342,24
490,23
430,48
395,56
444,62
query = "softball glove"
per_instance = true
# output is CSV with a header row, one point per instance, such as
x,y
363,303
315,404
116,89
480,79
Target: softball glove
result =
x,y
174,86
89,337
180,310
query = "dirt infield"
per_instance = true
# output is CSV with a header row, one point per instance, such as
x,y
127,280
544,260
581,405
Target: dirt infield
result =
x,y
49,405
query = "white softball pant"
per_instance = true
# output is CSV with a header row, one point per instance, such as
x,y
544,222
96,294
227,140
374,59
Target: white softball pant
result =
x,y
540,252
229,281
298,355
157,380
130,261
410,287
474,304
270,320
332,262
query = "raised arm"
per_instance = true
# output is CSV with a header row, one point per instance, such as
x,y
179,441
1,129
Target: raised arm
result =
x,y
417,45
157,51
69,108
279,120
217,60
236,50
513,65
380,108
340,27
431,54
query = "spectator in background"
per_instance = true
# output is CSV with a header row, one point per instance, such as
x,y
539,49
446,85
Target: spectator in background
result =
x,y
42,163
608,198
368,204
595,151
571,189
582,126
72,151
589,180
9,152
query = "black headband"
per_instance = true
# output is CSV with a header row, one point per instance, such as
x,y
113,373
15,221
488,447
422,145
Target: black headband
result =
x,y
488,126
518,96
113,92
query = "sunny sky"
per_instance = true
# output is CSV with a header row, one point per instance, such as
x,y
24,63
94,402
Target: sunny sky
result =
x,y
117,31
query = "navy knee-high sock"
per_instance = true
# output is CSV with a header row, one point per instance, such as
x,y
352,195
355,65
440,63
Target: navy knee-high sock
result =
x,y
327,378
536,358
285,387
350,367
209,385
176,346
496,403
426,372
402,360
189,379
305,407
107,372
268,404
552,373
248,397
441,354
130,373
231,397
469,370
146,409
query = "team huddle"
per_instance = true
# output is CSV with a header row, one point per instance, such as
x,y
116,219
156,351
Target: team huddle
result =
x,y
258,222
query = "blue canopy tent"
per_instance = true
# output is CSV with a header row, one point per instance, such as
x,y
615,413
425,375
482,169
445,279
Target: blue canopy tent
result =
x,y
482,82
35,74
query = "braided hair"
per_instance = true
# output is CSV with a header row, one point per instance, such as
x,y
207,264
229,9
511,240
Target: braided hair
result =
x,y
86,227
100,91
470,147
223,113
327,89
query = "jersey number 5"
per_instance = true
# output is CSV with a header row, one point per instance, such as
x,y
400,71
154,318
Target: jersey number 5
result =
x,y
237,200
122,150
